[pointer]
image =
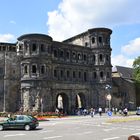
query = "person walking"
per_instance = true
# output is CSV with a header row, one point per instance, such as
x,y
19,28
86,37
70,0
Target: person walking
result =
x,y
100,111
92,112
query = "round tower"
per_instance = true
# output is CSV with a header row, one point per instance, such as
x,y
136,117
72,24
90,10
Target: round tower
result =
x,y
33,51
99,40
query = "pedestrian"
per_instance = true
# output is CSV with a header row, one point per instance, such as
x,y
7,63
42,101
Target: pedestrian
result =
x,y
100,111
92,112
125,111
133,137
85,112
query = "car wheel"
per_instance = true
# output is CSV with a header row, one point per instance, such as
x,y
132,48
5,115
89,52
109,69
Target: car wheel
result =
x,y
1,127
27,127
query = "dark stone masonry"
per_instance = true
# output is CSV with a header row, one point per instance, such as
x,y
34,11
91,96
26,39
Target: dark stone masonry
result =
x,y
40,74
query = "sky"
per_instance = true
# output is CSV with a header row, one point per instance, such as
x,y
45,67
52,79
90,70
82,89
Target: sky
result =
x,y
62,19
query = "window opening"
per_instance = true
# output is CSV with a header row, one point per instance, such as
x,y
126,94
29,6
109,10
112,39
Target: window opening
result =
x,y
43,69
33,68
85,76
25,69
95,75
101,74
61,54
93,40
42,48
101,57
85,57
34,47
68,74
55,53
68,55
100,39
55,73
79,74
74,75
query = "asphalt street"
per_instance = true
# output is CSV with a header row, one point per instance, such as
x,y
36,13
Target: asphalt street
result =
x,y
76,128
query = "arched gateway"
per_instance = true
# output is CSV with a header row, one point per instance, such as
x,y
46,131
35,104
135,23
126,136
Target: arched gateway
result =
x,y
62,103
80,101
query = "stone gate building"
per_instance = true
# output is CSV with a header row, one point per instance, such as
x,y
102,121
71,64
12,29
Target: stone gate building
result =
x,y
40,74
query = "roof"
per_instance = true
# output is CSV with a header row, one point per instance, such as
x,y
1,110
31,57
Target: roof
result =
x,y
125,72
35,35
102,29
7,44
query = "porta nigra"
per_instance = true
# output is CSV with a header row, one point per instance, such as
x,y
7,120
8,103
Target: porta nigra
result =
x,y
40,74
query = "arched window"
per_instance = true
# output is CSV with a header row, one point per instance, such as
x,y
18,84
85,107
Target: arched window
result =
x,y
62,73
79,74
42,48
86,44
61,53
74,74
108,75
93,40
34,69
55,73
107,58
68,55
55,53
85,57
94,75
100,39
74,55
42,69
101,74
34,47
85,76
79,56
101,57
68,74
25,69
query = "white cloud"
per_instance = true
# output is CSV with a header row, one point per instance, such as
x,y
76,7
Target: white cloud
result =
x,y
75,16
132,48
12,22
6,37
121,60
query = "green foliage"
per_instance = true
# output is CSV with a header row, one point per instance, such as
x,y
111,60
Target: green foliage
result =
x,y
136,66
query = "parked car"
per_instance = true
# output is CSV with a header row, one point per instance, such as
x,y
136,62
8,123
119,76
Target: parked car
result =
x,y
138,112
26,122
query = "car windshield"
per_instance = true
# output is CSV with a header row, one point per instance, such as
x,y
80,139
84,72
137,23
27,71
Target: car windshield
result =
x,y
31,117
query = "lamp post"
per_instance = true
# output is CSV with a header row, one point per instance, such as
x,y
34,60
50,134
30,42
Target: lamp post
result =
x,y
41,100
109,97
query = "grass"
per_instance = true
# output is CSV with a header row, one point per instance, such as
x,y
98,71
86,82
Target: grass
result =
x,y
125,119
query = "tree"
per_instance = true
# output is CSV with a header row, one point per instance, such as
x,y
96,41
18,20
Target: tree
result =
x,y
136,66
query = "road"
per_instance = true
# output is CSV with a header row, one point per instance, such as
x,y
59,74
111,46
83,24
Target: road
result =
x,y
76,128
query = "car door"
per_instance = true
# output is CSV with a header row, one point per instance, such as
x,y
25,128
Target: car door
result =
x,y
20,121
11,122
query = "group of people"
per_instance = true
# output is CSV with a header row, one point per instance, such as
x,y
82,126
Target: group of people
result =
x,y
93,111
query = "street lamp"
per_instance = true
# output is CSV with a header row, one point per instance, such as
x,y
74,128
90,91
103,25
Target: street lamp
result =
x,y
109,97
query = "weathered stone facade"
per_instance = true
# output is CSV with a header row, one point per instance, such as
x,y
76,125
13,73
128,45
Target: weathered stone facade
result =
x,y
76,69
9,78
124,89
